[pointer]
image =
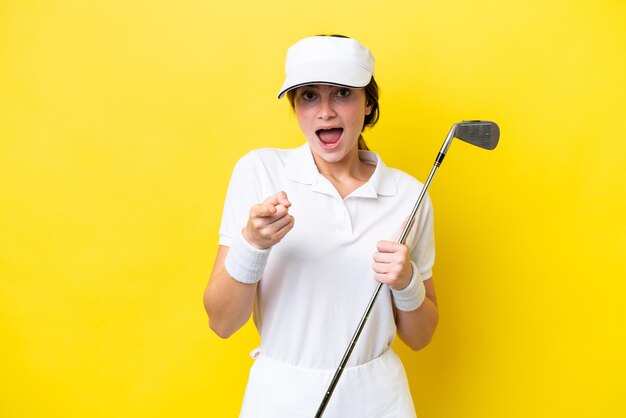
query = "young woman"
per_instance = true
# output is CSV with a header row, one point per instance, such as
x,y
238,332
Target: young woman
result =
x,y
306,234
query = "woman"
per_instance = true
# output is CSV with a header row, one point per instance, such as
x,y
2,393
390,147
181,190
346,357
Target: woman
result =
x,y
305,235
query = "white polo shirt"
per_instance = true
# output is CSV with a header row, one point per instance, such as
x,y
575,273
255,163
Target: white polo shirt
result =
x,y
319,278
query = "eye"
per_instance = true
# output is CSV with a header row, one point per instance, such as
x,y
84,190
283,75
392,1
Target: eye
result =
x,y
308,95
343,92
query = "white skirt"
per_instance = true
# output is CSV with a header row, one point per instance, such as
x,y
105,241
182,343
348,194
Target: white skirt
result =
x,y
377,389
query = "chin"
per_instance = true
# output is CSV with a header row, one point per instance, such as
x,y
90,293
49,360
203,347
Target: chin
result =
x,y
334,154
331,156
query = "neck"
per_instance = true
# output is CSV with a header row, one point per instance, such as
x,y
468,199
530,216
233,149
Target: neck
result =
x,y
345,175
348,167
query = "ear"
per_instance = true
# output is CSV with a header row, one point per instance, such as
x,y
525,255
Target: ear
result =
x,y
368,108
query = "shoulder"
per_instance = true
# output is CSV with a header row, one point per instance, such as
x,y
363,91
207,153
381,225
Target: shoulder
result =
x,y
390,178
404,179
407,187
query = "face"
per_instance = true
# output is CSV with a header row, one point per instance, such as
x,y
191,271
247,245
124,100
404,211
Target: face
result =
x,y
331,118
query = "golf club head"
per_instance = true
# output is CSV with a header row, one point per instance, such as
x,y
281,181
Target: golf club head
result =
x,y
482,133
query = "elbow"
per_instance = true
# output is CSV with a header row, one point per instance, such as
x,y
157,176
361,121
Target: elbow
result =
x,y
224,326
220,330
219,327
418,344
225,319
417,340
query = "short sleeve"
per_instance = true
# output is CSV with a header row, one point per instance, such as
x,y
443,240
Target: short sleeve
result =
x,y
243,192
422,239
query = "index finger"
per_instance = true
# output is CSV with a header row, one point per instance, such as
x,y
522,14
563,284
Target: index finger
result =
x,y
389,246
279,198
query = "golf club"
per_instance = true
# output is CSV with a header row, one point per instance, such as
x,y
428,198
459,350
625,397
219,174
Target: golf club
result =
x,y
483,134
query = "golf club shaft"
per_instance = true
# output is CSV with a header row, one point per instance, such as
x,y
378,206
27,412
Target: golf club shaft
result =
x,y
483,134
368,310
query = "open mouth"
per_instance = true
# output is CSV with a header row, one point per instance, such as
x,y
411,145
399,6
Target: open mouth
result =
x,y
329,137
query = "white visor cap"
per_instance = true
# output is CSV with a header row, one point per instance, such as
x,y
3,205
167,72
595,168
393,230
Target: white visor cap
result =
x,y
327,60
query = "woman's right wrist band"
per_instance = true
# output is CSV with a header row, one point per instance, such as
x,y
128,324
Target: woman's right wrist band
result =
x,y
245,263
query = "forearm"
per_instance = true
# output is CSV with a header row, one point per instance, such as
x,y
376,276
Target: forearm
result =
x,y
417,327
228,303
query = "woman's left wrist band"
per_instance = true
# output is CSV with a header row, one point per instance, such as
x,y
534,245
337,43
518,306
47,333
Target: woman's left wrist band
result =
x,y
412,296
245,263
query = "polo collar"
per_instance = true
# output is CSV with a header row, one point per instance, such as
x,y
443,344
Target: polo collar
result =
x,y
300,167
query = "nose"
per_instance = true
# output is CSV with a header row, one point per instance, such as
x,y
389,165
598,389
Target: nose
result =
x,y
326,110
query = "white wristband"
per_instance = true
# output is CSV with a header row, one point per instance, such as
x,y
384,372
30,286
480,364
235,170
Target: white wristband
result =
x,y
412,296
244,262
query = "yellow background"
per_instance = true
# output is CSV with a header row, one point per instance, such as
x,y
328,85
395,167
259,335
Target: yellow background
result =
x,y
120,122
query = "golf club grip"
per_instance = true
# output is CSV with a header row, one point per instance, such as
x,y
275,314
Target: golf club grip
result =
x,y
370,305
